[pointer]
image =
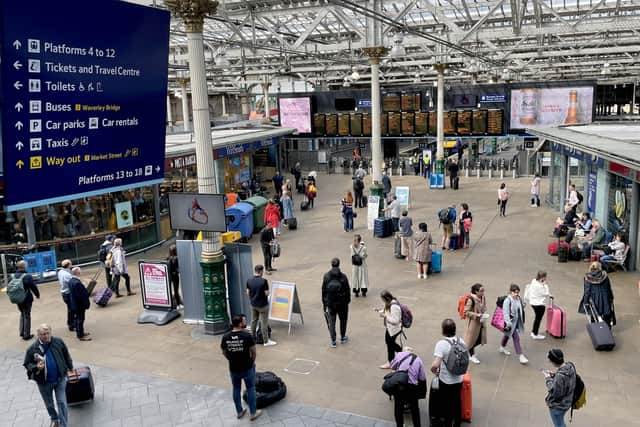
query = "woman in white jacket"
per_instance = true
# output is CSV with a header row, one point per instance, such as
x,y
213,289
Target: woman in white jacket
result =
x,y
536,294
392,314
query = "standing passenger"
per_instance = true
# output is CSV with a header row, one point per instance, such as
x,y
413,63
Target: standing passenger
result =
x,y
392,314
475,312
513,309
503,197
422,250
359,272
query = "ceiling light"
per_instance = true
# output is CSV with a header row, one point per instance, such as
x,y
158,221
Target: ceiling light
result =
x,y
355,76
398,49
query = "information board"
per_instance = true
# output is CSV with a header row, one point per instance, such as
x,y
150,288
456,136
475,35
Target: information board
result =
x,y
355,120
343,124
319,124
410,101
433,122
84,98
450,122
373,207
479,122
391,103
394,124
422,126
402,193
283,302
464,122
494,122
366,124
332,124
408,124
384,125
154,282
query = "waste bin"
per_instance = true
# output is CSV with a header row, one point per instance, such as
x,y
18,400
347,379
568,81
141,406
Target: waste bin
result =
x,y
240,218
259,204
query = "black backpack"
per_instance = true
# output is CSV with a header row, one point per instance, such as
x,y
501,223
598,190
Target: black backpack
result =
x,y
580,197
334,290
443,215
102,253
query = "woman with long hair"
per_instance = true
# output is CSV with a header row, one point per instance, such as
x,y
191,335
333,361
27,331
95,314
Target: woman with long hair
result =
x,y
359,272
347,211
422,250
475,309
503,198
392,314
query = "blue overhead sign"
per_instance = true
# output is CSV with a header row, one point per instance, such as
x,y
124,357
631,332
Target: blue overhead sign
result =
x,y
493,98
84,88
366,103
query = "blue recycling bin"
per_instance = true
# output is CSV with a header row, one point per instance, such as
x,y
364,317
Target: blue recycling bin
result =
x,y
240,218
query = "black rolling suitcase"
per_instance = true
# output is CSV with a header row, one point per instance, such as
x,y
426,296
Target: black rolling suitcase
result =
x,y
80,387
93,282
397,246
435,403
292,223
599,332
563,253
382,227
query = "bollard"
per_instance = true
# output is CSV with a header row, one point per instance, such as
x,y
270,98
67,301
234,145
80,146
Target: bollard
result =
x,y
466,173
514,174
490,173
501,173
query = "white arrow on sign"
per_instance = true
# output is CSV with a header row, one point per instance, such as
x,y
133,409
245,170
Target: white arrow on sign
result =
x,y
17,65
19,125
17,85
157,169
19,145
17,44
18,106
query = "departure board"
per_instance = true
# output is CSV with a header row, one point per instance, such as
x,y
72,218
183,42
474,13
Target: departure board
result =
x,y
391,103
343,124
366,124
355,120
384,125
433,122
408,124
394,124
464,122
410,101
422,126
332,124
319,124
479,122
450,122
494,122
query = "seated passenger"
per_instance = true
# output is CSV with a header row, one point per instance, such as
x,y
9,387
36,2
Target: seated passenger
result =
x,y
618,249
583,227
595,237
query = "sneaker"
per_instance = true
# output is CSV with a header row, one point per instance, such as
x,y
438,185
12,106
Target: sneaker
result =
x,y
474,359
256,415
241,413
419,276
344,340
533,206
504,351
270,343
333,344
540,337
523,359
533,336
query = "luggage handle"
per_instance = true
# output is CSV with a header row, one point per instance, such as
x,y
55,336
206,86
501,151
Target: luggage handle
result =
x,y
591,313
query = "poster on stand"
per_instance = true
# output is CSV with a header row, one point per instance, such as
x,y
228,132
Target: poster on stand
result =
x,y
373,203
124,214
154,282
402,194
283,302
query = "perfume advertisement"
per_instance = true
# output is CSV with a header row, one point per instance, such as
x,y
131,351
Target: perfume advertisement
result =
x,y
557,106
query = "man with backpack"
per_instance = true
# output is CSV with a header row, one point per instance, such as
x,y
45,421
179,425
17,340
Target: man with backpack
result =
x,y
447,218
20,290
561,385
104,256
450,364
336,296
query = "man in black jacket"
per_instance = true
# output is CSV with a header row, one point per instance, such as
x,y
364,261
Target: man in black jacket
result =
x,y
79,302
336,296
47,361
30,289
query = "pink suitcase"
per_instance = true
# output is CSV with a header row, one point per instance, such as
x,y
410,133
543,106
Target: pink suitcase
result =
x,y
556,321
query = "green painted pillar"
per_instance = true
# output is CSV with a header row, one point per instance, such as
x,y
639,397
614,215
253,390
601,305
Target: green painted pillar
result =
x,y
216,319
439,166
376,190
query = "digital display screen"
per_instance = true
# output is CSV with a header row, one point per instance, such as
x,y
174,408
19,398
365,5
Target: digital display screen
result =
x,y
394,124
391,103
319,124
422,126
465,100
494,122
479,122
295,113
410,101
356,124
464,122
433,122
343,124
408,124
384,125
332,124
366,124
551,106
450,122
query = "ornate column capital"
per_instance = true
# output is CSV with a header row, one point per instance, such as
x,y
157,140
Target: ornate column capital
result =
x,y
375,53
192,12
440,67
183,81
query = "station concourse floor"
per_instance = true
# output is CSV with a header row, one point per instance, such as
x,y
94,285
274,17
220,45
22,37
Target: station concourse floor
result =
x,y
174,376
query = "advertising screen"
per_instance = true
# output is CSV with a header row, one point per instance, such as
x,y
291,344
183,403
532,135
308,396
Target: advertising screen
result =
x,y
552,106
295,113
154,282
194,211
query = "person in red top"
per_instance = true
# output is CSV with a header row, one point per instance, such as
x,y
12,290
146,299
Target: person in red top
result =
x,y
272,215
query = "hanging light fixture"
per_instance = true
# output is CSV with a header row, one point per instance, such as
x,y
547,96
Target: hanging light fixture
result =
x,y
398,49
346,82
355,75
606,70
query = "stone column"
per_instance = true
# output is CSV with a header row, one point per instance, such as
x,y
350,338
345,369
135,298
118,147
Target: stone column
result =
x,y
193,12
267,108
224,105
169,112
185,104
439,165
375,53
244,104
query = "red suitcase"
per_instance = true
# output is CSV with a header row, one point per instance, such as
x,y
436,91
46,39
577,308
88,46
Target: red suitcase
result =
x,y
556,321
466,398
552,248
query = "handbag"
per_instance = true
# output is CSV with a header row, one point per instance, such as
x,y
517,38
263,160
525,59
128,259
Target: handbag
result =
x,y
356,259
497,320
274,246
355,214
397,382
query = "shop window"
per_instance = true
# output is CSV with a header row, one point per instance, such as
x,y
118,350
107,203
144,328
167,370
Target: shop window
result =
x,y
619,202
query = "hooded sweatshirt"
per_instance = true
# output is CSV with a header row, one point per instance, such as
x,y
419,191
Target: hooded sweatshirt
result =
x,y
597,288
560,387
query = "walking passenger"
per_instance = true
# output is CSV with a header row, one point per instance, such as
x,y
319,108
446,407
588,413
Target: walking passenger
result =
x,y
407,360
80,302
535,191
30,289
466,219
358,190
447,218
394,209
450,384
336,297
359,271
119,268
598,294
392,314
475,311
287,207
386,184
258,291
267,235
272,215
536,294
422,250
104,256
561,383
513,309
347,211
503,198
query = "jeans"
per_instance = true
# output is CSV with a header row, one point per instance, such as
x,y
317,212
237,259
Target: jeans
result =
x,y
25,319
358,202
539,312
557,417
249,378
465,237
266,253
451,179
535,200
262,314
395,222
80,323
451,397
348,219
341,312
60,389
516,341
392,346
116,282
503,207
71,316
